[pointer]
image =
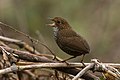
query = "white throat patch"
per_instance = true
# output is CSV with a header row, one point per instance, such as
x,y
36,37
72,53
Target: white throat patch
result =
x,y
55,29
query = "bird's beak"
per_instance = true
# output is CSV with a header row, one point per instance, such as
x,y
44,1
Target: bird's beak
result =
x,y
51,24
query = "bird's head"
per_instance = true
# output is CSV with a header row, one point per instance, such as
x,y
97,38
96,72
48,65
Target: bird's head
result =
x,y
59,22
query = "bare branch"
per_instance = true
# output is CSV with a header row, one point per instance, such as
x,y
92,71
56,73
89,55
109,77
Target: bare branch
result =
x,y
24,55
84,70
19,43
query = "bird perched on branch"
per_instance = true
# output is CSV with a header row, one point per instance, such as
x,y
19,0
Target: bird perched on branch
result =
x,y
68,40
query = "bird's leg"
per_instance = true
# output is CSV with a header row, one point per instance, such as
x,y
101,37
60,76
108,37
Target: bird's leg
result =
x,y
69,58
82,60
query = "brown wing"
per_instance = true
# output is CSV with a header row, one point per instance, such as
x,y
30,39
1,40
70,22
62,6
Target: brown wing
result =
x,y
75,43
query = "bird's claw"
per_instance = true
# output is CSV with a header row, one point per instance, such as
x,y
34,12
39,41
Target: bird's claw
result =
x,y
54,57
64,61
83,64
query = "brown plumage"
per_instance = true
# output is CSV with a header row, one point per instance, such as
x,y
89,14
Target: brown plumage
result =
x,y
68,40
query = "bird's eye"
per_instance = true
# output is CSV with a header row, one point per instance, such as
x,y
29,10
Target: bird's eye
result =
x,y
58,22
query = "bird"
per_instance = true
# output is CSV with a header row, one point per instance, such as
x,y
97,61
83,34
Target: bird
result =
x,y
68,40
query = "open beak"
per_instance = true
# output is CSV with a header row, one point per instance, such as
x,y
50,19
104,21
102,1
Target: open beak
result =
x,y
51,24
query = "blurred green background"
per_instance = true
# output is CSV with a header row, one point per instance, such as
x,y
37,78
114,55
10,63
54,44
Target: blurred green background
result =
x,y
98,21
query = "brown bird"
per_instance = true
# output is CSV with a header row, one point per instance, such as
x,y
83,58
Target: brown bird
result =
x,y
68,40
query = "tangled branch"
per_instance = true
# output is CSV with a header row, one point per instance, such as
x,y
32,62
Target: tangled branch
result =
x,y
27,62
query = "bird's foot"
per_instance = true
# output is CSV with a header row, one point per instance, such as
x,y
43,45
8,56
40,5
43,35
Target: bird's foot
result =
x,y
83,64
56,58
64,61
